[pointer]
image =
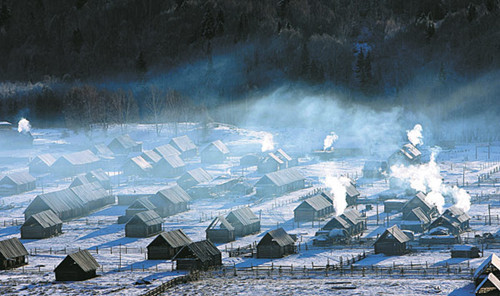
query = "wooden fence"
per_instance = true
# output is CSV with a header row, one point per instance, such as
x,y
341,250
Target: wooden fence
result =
x,y
192,276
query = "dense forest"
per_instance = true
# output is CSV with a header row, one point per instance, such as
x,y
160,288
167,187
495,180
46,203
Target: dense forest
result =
x,y
187,50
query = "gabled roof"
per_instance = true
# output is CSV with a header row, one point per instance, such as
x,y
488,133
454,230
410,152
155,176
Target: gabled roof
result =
x,y
411,150
175,238
19,178
97,175
141,163
142,203
203,250
222,221
417,215
443,220
79,180
317,202
80,158
492,260
102,149
90,192
151,156
173,160
125,141
395,232
244,215
217,145
491,282
149,218
327,195
166,150
457,214
418,201
283,177
352,216
199,175
46,158
45,219
283,155
59,201
183,143
340,221
81,258
280,236
271,156
12,248
175,194
351,190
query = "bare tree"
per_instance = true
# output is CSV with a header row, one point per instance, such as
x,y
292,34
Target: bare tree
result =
x,y
156,107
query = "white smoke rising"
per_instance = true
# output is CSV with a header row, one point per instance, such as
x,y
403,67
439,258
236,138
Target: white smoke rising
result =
x,y
23,126
427,178
329,140
267,142
415,135
337,187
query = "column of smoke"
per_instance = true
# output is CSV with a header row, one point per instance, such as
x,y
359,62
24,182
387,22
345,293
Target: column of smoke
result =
x,y
415,135
427,178
337,187
267,142
23,126
329,140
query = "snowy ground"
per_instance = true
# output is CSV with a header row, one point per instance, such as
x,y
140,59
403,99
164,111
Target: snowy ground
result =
x,y
123,259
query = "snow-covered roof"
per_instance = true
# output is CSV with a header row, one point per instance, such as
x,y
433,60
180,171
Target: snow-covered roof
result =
x,y
182,143
491,278
148,218
173,160
199,175
12,248
46,158
174,194
283,155
166,150
417,215
19,178
125,141
283,177
244,215
492,260
45,219
202,250
396,233
79,158
217,145
317,202
81,258
151,156
141,163
175,238
280,236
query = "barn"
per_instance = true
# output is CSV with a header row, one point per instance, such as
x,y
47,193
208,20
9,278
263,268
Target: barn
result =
x,y
215,152
140,205
490,286
75,163
41,164
193,177
275,244
166,150
170,166
220,230
16,183
392,242
170,201
137,166
167,244
416,221
244,221
12,253
270,163
78,266
312,208
419,201
124,144
490,265
280,182
464,251
143,224
198,255
41,225
185,146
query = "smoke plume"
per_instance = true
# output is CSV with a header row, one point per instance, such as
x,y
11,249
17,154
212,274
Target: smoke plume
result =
x,y
337,187
267,142
329,140
23,126
415,135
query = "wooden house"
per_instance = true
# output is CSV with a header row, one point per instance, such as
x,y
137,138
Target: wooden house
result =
x,y
270,163
41,164
490,286
78,266
193,177
419,201
143,224
339,223
464,251
170,166
416,221
137,166
75,163
124,144
215,152
392,242
394,205
99,176
41,225
167,244
275,244
280,182
220,230
16,183
170,201
244,221
407,155
140,205
451,225
102,151
352,194
166,150
490,265
312,209
200,255
459,216
357,222
12,253
185,146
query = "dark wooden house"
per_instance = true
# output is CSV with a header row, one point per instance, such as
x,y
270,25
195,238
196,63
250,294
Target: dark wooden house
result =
x,y
124,145
275,244
244,221
339,223
41,225
220,231
16,183
170,201
280,182
451,225
419,201
12,253
143,224
41,164
78,266
167,244
185,146
490,265
312,209
394,205
459,216
357,221
490,286
465,251
75,163
416,221
142,204
352,194
215,152
392,242
200,255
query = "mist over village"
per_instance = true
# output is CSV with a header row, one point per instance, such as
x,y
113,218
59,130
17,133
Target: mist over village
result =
x,y
222,147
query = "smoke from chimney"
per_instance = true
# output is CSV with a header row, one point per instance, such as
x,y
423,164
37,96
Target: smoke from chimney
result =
x,y
337,187
267,142
329,140
23,126
415,135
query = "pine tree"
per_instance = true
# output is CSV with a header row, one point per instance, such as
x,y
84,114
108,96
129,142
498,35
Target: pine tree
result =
x,y
5,15
219,23
208,25
77,40
140,64
360,68
471,12
305,63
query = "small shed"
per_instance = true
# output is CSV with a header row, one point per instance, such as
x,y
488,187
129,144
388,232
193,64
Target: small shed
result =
x,y
166,150
215,152
185,146
220,230
78,266
137,166
392,242
198,255
12,253
75,163
394,205
275,244
280,182
124,144
41,225
270,163
16,183
244,221
490,265
170,166
312,208
167,244
143,224
465,251
170,201
193,177
490,286
41,164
